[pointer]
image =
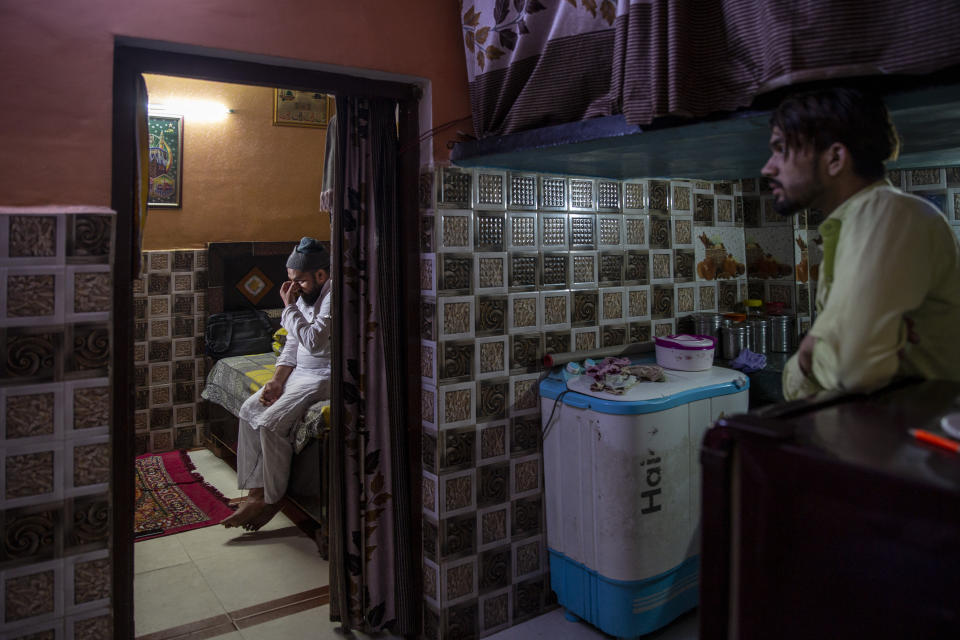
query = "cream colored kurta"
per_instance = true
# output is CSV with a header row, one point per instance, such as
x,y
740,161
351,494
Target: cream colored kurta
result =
x,y
887,256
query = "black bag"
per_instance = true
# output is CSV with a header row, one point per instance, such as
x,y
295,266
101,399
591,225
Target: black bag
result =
x,y
238,333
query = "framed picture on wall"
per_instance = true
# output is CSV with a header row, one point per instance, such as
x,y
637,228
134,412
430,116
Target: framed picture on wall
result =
x,y
292,108
166,161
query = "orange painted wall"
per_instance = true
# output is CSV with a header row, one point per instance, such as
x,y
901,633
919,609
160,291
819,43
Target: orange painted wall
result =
x,y
244,179
56,61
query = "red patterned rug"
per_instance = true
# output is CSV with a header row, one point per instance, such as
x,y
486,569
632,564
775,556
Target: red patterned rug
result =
x,y
172,497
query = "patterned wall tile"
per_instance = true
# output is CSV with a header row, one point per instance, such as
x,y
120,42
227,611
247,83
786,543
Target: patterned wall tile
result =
x,y
583,269
490,234
457,448
91,578
492,399
460,621
523,312
610,231
456,404
32,474
582,194
90,464
491,357
661,266
528,598
522,231
555,270
523,191
455,274
455,187
492,441
456,317
610,268
495,611
658,195
660,232
524,269
555,309
490,190
458,536
458,580
634,195
553,231
525,476
525,434
637,268
524,394
613,335
491,316
683,265
612,305
32,592
639,332
495,569
526,352
556,342
33,296
608,195
583,232
35,236
456,360
528,557
455,231
31,412
662,302
553,193
493,481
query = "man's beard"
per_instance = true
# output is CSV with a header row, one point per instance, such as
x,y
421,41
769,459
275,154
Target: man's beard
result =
x,y
311,297
787,206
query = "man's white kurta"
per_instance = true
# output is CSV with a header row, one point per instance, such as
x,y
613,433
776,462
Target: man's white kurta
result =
x,y
265,446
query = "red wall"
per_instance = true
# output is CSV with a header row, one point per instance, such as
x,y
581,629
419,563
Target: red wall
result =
x,y
56,61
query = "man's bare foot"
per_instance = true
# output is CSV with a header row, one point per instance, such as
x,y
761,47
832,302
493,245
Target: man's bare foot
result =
x,y
263,517
249,509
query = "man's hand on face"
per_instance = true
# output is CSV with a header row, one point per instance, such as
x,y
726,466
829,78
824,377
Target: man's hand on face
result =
x,y
271,392
805,354
289,291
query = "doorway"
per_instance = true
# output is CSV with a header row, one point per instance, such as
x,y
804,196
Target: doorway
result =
x,y
130,63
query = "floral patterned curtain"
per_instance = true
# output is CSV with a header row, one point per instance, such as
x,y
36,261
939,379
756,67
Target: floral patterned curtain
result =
x,y
371,570
534,63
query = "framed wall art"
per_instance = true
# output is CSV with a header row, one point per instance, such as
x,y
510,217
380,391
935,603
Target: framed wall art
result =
x,y
292,108
166,161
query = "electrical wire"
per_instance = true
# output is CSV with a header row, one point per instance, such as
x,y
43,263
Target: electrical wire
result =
x,y
548,426
430,132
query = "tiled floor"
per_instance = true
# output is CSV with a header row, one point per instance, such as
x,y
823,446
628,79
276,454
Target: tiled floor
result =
x,y
209,577
221,583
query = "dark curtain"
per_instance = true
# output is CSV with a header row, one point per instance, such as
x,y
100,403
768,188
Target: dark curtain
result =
x,y
371,566
533,63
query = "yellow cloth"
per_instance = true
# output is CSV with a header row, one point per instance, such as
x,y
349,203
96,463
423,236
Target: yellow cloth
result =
x,y
260,377
887,256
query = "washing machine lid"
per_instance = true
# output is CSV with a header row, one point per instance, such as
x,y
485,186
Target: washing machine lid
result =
x,y
681,387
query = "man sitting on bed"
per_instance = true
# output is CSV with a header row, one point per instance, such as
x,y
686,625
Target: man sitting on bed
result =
x,y
302,377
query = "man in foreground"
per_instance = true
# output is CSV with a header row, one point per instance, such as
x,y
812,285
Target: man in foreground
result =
x,y
891,262
302,377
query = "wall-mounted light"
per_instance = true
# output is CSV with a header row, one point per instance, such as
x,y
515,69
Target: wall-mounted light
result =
x,y
191,110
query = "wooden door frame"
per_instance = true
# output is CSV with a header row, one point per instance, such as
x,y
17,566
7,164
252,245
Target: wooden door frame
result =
x,y
130,62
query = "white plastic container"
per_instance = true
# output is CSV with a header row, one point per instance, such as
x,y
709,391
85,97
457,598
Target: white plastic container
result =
x,y
622,491
685,352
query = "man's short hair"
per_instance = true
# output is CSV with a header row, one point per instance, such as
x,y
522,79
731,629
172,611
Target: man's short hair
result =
x,y
858,120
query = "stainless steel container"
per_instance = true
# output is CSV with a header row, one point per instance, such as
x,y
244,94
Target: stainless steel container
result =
x,y
707,324
735,339
783,338
759,335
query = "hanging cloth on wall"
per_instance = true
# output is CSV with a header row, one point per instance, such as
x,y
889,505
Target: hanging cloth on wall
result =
x,y
142,176
371,565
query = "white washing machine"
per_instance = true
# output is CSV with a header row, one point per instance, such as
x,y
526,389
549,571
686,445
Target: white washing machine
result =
x,y
622,490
